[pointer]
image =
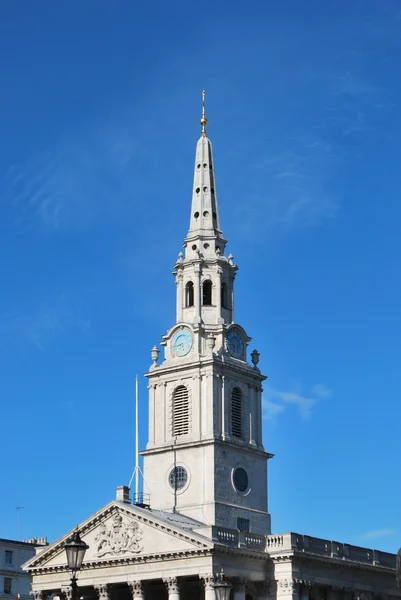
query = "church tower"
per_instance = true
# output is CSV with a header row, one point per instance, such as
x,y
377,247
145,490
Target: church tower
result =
x,y
205,458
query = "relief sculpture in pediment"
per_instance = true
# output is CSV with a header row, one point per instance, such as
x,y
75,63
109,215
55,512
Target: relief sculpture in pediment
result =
x,y
122,535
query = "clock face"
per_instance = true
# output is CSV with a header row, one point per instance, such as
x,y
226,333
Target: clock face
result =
x,y
235,344
181,342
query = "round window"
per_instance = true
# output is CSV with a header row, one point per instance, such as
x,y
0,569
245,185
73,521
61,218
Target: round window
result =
x,y
178,478
240,479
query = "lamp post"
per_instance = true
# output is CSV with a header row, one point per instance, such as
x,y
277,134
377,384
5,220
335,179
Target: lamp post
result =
x,y
221,587
75,550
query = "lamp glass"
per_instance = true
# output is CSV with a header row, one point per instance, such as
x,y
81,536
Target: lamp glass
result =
x,y
75,550
222,589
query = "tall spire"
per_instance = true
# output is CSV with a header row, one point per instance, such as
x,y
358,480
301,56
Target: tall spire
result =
x,y
204,228
203,120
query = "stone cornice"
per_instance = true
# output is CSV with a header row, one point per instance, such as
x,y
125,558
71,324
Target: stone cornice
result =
x,y
294,554
245,552
216,441
124,560
224,364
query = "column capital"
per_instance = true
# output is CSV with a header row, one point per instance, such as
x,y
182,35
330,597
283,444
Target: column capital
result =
x,y
40,594
208,581
171,584
287,586
103,591
136,588
66,593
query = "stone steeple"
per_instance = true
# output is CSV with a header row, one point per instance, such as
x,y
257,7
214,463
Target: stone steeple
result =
x,y
205,457
204,233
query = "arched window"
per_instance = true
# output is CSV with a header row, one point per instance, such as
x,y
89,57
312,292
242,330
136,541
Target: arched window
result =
x,y
224,303
236,413
207,293
189,294
180,411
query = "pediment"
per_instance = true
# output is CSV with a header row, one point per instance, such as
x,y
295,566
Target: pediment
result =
x,y
120,532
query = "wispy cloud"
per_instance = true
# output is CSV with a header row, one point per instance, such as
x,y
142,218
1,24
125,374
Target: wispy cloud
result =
x,y
278,401
289,185
84,177
374,534
41,327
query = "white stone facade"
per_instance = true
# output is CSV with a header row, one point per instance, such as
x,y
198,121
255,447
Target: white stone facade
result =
x,y
14,582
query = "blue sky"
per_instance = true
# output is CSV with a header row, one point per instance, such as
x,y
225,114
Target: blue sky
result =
x,y
99,116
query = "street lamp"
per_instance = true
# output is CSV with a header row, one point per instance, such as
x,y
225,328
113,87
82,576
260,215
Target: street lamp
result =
x,y
75,550
221,587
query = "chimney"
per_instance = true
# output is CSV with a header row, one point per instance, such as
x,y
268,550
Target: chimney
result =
x,y
122,494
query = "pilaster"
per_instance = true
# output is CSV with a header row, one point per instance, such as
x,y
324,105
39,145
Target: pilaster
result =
x,y
287,589
180,295
197,293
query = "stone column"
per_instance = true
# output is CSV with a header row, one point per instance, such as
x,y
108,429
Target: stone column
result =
x,y
232,299
137,590
66,593
218,297
172,588
197,294
180,299
223,408
252,410
208,582
103,591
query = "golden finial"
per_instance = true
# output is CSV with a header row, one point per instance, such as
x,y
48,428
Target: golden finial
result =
x,y
203,120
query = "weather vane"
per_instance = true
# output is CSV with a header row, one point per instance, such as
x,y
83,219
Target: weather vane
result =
x,y
203,120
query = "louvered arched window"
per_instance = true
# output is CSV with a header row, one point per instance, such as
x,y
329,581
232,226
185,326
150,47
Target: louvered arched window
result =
x,y
189,294
236,413
180,411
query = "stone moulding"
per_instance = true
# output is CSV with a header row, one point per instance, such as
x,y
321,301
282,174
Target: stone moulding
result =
x,y
125,560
